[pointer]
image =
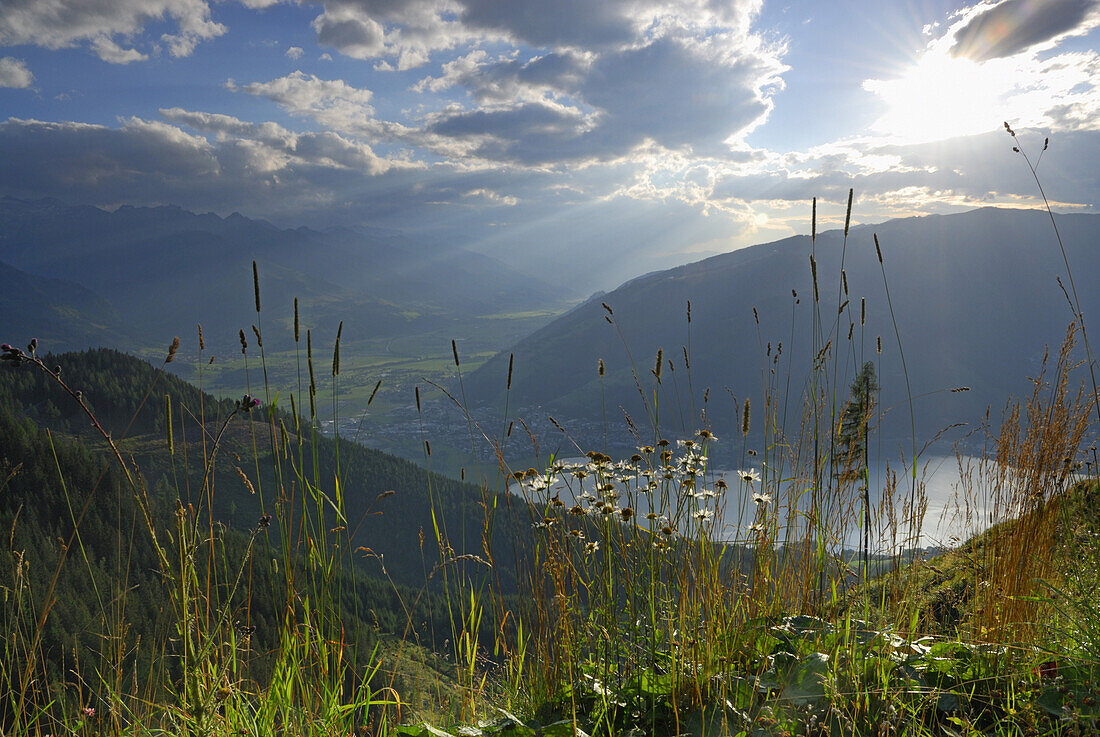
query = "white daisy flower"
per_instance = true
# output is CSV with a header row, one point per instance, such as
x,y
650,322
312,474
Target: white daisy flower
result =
x,y
749,476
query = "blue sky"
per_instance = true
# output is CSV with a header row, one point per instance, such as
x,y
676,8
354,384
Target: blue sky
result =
x,y
588,141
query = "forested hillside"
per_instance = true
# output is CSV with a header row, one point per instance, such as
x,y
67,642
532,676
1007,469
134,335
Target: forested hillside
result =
x,y
82,561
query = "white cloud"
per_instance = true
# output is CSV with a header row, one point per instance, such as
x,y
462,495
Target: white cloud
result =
x,y
407,31
295,52
14,73
333,103
607,78
57,24
110,52
277,144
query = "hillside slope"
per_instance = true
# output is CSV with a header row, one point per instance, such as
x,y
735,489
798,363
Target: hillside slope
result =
x,y
975,296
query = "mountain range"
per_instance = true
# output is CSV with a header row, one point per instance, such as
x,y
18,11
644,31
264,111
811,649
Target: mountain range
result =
x,y
148,273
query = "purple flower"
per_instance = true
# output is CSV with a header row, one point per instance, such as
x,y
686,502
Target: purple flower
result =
x,y
11,353
247,403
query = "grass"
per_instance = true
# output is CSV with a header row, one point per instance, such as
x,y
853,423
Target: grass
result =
x,y
654,597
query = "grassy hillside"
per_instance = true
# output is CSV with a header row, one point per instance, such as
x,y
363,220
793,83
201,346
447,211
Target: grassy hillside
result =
x,y
240,523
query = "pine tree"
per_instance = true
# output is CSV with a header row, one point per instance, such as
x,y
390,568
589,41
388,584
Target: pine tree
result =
x,y
851,455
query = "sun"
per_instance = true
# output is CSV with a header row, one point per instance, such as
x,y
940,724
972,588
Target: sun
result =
x,y
942,96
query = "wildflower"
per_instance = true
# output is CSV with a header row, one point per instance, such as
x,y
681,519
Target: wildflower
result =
x,y
756,527
706,435
703,515
749,476
667,531
88,711
626,513
591,547
265,521
720,485
247,403
13,354
761,498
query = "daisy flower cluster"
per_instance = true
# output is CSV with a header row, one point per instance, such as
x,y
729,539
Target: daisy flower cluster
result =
x,y
663,489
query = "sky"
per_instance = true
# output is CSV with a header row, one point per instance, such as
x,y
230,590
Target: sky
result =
x,y
586,141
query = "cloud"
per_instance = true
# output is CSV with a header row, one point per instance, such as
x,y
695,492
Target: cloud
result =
x,y
576,83
279,147
507,79
295,52
224,165
405,30
110,52
1015,26
331,102
98,23
680,94
14,73
64,158
555,23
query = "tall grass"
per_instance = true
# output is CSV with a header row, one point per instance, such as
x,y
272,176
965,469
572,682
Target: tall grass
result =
x,y
665,599
205,675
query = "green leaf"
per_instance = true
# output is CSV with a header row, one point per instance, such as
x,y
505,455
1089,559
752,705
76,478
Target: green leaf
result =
x,y
564,728
422,730
1050,701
